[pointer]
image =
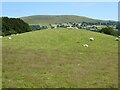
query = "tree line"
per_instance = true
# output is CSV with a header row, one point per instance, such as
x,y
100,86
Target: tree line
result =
x,y
14,26
110,31
38,27
10,26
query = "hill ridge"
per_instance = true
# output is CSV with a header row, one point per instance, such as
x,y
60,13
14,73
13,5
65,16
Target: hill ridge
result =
x,y
48,19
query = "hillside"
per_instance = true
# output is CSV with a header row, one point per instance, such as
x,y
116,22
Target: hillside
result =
x,y
50,19
56,58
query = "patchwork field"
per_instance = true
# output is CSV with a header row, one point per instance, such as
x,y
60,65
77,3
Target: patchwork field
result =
x,y
56,58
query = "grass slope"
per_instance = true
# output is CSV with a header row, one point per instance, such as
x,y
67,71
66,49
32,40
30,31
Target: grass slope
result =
x,y
50,19
56,58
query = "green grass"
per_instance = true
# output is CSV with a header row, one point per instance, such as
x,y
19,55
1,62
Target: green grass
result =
x,y
51,19
56,58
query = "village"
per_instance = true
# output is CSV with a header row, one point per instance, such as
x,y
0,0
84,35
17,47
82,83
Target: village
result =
x,y
92,26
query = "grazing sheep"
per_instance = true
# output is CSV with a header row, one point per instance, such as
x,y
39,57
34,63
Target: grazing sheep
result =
x,y
1,36
91,39
9,38
116,39
85,45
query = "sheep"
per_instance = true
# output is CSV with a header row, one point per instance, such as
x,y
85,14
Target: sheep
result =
x,y
1,36
116,39
85,45
91,39
9,38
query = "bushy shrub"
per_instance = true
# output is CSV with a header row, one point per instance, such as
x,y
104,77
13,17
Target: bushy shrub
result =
x,y
109,31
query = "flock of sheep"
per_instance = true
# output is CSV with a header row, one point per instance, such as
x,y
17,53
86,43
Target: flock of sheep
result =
x,y
92,39
10,37
85,45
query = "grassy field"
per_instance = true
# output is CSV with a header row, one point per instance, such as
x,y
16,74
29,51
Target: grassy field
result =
x,y
56,58
50,19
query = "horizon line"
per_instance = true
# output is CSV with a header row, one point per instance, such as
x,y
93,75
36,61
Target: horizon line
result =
x,y
58,15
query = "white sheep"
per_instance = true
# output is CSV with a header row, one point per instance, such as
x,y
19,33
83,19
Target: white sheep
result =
x,y
116,39
91,39
1,36
85,45
9,38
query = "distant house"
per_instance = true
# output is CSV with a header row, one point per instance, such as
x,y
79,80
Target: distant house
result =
x,y
69,27
84,27
94,25
75,27
53,26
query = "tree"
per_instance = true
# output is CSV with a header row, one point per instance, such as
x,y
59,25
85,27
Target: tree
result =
x,y
109,31
118,26
14,26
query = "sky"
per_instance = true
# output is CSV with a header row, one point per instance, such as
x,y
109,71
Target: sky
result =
x,y
96,10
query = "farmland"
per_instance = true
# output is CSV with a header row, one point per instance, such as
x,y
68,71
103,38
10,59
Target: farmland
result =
x,y
56,58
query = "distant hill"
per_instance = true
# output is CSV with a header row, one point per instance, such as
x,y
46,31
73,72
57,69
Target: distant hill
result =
x,y
49,19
